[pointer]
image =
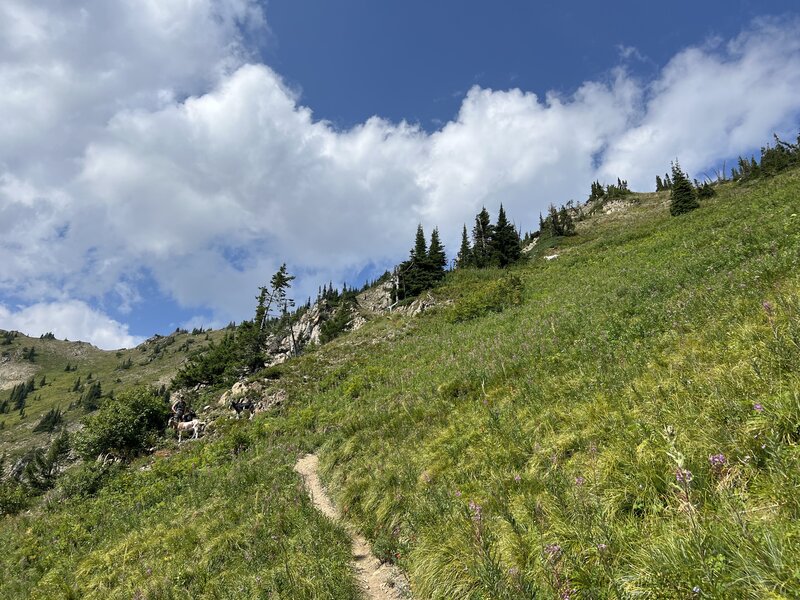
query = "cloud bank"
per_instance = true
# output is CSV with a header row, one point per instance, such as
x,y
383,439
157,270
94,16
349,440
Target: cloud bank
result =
x,y
73,320
147,141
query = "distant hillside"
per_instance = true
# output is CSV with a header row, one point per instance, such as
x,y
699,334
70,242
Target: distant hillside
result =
x,y
153,363
616,416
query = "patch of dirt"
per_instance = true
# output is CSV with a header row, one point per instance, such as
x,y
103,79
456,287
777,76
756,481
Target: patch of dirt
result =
x,y
378,581
13,373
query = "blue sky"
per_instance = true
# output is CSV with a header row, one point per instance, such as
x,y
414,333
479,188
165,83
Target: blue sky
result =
x,y
160,160
416,59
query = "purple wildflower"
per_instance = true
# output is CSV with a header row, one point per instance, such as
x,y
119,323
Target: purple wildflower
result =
x,y
513,571
553,551
476,511
767,307
758,407
683,475
580,480
602,547
517,477
717,460
458,493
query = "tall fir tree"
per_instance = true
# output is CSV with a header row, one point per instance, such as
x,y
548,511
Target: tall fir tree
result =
x,y
437,259
464,258
415,272
482,234
505,241
683,197
565,222
553,223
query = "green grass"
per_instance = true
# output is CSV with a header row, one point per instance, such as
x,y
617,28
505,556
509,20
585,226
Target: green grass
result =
x,y
219,520
153,363
530,450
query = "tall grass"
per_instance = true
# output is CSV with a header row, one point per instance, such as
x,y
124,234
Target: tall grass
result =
x,y
624,423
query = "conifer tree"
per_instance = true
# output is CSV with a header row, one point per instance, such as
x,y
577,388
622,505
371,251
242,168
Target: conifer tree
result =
x,y
565,222
420,251
505,242
437,259
464,258
553,223
683,198
482,234
415,272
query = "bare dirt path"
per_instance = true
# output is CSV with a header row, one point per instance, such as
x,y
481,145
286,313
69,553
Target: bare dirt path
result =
x,y
378,581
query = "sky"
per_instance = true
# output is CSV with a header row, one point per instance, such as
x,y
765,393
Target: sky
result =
x,y
160,159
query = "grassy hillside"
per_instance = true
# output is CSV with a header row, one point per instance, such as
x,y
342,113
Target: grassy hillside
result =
x,y
620,422
152,363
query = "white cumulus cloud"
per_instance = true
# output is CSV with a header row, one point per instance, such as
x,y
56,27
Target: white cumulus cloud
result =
x,y
73,320
205,172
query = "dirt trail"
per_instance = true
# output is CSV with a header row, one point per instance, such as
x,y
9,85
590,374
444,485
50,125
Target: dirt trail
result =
x,y
377,581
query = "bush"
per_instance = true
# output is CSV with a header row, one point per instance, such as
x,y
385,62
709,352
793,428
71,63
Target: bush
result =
x,y
86,480
123,426
494,296
13,498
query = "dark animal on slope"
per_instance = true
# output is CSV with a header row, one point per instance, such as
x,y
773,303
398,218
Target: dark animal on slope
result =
x,y
243,406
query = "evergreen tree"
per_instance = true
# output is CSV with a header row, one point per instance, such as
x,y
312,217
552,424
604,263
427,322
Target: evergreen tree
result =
x,y
280,282
659,184
464,258
420,251
683,198
43,467
565,222
505,241
437,259
554,226
482,234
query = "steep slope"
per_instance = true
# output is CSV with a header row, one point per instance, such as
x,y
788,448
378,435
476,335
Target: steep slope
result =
x,y
153,362
621,421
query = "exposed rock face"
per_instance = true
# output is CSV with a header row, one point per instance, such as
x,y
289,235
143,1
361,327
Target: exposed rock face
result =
x,y
259,392
418,306
617,206
308,328
13,372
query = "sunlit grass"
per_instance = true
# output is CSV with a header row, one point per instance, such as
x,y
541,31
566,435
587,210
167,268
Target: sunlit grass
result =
x,y
542,448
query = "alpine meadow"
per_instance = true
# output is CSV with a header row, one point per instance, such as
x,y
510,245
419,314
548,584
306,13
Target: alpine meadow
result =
x,y
617,422
454,300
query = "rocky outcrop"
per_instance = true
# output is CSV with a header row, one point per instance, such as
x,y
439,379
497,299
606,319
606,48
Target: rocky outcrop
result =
x,y
260,392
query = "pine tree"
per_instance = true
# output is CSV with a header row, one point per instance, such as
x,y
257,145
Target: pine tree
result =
x,y
464,258
482,234
553,223
659,184
280,282
683,198
565,222
505,242
437,259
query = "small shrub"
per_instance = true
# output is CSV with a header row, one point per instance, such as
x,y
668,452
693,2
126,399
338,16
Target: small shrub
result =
x,y
13,498
494,296
124,426
86,479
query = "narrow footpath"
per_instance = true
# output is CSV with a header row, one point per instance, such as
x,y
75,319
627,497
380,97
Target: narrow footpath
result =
x,y
378,581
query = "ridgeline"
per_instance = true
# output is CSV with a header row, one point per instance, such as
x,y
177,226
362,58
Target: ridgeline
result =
x,y
621,421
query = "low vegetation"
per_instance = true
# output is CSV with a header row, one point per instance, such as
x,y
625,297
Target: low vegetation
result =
x,y
619,422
